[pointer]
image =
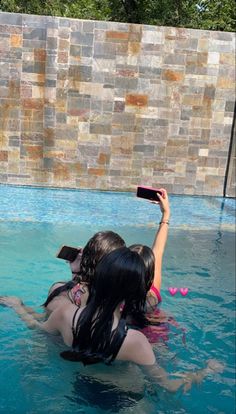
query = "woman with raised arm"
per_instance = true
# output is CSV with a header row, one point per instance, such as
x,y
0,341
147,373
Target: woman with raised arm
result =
x,y
153,257
159,243
98,331
104,242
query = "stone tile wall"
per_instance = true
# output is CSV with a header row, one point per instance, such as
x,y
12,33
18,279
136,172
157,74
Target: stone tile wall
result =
x,y
105,105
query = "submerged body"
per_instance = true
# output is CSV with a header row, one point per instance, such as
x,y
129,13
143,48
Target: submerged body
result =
x,y
98,332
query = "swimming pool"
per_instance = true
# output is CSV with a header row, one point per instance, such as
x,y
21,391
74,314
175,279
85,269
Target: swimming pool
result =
x,y
35,222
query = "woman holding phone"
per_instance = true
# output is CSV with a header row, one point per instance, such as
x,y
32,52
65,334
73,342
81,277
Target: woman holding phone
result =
x,y
104,242
98,331
76,291
153,257
83,267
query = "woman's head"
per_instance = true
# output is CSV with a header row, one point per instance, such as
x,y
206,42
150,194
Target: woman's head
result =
x,y
120,276
98,246
149,261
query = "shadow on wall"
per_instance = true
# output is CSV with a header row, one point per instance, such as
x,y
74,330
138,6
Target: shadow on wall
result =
x,y
230,176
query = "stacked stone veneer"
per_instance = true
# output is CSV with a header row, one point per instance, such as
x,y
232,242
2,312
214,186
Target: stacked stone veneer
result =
x,y
106,105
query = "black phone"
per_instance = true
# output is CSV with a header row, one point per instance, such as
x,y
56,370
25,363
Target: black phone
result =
x,y
148,193
68,253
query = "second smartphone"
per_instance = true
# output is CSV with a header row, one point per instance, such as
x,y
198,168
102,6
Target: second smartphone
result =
x,y
68,253
148,193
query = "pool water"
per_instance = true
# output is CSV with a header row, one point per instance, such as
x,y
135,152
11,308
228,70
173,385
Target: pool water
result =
x,y
35,222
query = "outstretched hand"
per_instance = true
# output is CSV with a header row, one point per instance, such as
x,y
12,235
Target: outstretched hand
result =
x,y
10,301
163,201
213,367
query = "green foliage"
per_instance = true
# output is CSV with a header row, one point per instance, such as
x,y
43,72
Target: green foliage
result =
x,y
87,9
201,14
217,15
80,9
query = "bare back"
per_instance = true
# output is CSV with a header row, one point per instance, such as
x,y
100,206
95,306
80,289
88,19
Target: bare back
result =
x,y
135,346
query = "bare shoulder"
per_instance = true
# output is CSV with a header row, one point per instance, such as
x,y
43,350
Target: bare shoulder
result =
x,y
55,286
61,313
65,311
136,348
68,312
60,317
63,320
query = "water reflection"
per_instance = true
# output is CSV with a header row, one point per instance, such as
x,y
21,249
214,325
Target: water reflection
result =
x,y
105,395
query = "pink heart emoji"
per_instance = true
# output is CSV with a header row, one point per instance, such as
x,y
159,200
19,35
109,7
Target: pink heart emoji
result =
x,y
173,290
183,291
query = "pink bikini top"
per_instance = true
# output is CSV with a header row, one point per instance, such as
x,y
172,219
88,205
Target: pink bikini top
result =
x,y
156,293
76,292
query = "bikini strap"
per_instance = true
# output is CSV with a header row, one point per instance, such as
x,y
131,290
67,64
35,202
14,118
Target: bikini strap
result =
x,y
119,335
68,293
73,323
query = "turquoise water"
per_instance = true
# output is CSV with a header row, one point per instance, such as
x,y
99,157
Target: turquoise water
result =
x,y
34,223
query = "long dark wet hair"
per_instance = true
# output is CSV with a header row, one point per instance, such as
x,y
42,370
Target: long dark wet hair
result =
x,y
99,245
119,278
149,261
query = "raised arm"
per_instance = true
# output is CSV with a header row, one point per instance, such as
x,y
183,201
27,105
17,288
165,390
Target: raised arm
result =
x,y
161,238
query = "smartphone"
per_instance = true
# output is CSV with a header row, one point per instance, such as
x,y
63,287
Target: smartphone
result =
x,y
148,192
68,253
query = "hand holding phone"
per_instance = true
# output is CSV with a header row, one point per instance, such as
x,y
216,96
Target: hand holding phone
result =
x,y
149,193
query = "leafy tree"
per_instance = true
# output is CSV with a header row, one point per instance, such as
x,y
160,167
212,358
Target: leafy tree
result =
x,y
202,14
80,9
197,14
217,15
